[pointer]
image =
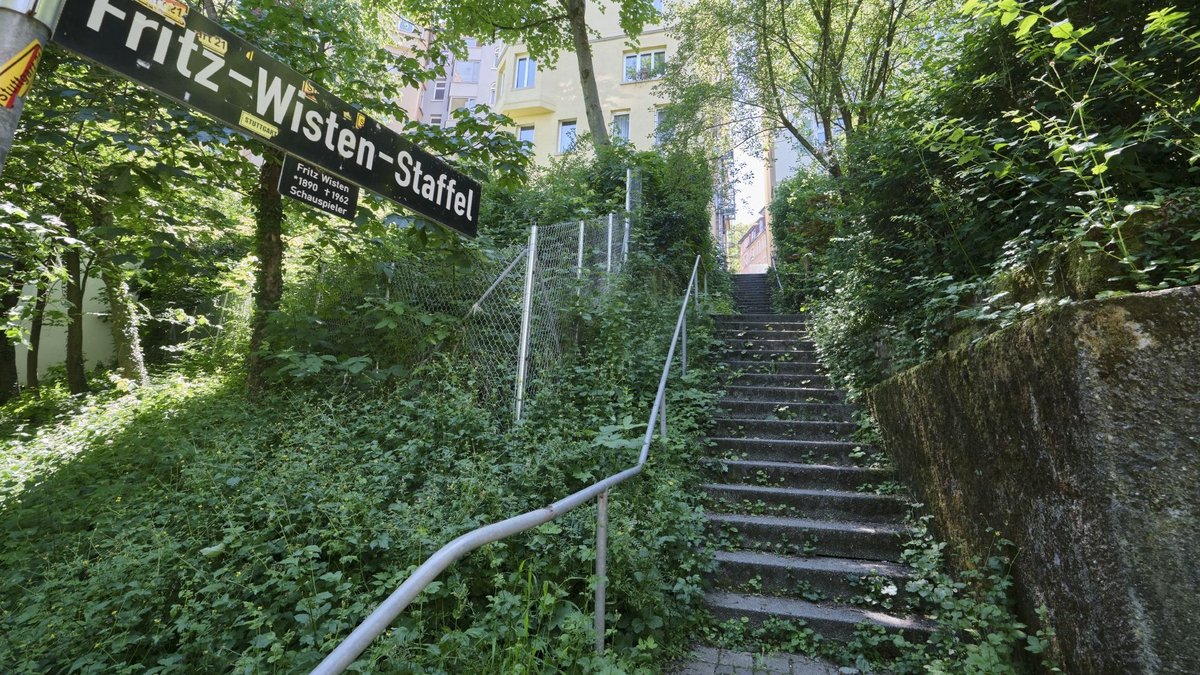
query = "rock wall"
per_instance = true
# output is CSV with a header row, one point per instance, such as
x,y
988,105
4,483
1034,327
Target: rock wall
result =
x,y
1077,435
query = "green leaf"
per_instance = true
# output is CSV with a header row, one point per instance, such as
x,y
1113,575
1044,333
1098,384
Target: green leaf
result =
x,y
1026,25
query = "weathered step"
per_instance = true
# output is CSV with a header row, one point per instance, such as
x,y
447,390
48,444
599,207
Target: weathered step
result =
x,y
801,430
778,381
798,347
777,355
767,318
728,334
797,475
782,394
792,576
781,326
775,367
835,623
787,410
841,538
803,503
786,450
711,660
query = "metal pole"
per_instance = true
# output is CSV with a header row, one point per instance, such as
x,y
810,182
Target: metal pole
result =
x,y
683,337
526,311
579,261
625,243
662,420
601,566
608,262
25,28
628,189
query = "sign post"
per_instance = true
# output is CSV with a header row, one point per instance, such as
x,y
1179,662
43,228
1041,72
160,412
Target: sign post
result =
x,y
25,28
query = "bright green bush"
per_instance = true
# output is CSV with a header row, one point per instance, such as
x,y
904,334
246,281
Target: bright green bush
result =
x,y
186,528
1046,155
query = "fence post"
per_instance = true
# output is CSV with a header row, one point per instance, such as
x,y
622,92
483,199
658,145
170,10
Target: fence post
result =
x,y
601,566
579,261
683,337
608,263
628,213
662,419
526,312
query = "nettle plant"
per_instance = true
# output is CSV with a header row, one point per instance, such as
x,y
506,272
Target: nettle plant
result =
x,y
1100,157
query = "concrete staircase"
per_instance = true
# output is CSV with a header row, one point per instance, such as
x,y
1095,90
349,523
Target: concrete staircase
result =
x,y
796,539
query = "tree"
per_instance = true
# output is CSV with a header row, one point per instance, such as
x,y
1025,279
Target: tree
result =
x,y
817,70
546,27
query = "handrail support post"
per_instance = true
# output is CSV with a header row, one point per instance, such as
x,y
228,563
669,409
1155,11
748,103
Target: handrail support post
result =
x,y
601,567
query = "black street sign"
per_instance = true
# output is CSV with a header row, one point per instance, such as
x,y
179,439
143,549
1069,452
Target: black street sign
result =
x,y
168,47
308,184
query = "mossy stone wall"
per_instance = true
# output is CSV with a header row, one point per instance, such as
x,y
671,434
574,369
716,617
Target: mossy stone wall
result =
x,y
1076,434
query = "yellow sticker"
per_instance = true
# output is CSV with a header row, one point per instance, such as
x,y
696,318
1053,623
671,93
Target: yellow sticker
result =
x,y
258,125
310,91
213,43
359,121
175,11
17,74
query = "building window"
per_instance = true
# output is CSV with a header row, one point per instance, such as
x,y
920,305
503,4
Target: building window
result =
x,y
492,96
496,57
526,134
439,90
566,136
467,71
526,70
661,133
435,120
406,26
645,66
620,126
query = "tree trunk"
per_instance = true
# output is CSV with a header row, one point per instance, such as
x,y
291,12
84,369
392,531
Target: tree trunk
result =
x,y
76,378
10,385
587,74
268,228
122,316
36,320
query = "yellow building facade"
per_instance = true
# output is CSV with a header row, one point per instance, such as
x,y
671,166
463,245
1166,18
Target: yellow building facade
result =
x,y
547,103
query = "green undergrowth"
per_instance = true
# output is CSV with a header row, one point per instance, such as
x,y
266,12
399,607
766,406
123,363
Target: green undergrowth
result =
x,y
184,527
976,629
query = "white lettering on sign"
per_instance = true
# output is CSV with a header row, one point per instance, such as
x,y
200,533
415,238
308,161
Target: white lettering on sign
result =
x,y
275,103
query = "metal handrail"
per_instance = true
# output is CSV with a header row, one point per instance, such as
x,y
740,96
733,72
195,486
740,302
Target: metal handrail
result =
x,y
383,616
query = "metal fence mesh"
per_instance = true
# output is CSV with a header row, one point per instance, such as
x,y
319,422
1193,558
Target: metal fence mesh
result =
x,y
572,265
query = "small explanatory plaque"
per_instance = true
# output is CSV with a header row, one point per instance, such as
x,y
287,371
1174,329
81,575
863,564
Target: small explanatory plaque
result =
x,y
308,184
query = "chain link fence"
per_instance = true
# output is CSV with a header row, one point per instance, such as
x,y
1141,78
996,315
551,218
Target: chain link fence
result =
x,y
513,303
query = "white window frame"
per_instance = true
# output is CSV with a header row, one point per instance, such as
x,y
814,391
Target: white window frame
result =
x,y
615,129
406,26
496,57
640,66
492,95
562,128
521,131
525,74
435,119
440,87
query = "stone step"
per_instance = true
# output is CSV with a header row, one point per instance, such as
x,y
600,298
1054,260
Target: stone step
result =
x,y
775,367
786,410
770,344
765,318
803,503
840,538
835,623
713,661
739,392
777,355
784,450
778,381
731,334
801,430
782,326
837,579
796,474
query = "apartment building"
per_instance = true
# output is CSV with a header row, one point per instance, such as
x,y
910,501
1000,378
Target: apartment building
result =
x,y
407,39
547,103
469,83
754,247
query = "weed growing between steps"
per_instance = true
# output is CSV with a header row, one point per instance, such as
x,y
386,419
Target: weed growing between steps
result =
x,y
183,527
977,632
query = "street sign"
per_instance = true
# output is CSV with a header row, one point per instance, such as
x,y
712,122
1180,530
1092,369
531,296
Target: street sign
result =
x,y
172,49
307,183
